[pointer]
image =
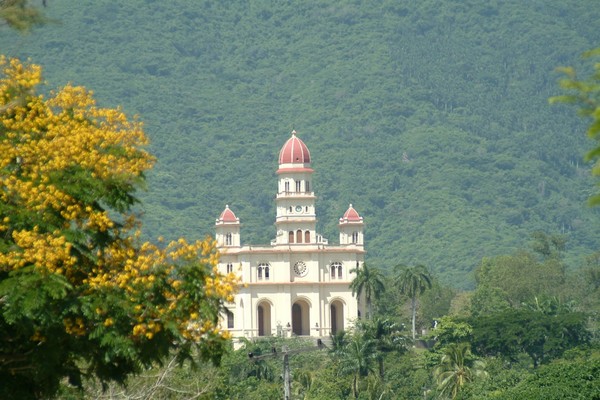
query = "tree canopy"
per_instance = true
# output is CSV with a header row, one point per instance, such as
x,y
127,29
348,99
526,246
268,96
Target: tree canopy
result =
x,y
456,369
368,282
21,15
564,380
441,106
80,293
413,282
585,93
542,337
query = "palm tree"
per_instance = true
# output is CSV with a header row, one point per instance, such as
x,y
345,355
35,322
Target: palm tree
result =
x,y
305,379
412,282
370,281
457,368
339,340
356,359
387,337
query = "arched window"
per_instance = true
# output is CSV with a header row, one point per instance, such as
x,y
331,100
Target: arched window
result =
x,y
307,237
291,237
307,186
229,268
263,271
298,186
228,239
287,186
230,319
354,237
336,270
299,236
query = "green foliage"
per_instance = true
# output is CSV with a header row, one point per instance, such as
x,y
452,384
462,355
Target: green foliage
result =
x,y
457,368
80,294
357,360
561,380
445,101
548,246
585,93
387,337
362,354
450,330
368,281
511,280
410,375
542,337
435,302
488,300
431,118
328,384
20,15
413,282
500,377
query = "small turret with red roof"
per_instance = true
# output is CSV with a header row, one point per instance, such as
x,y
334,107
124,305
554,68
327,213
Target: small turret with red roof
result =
x,y
351,227
351,215
227,216
227,229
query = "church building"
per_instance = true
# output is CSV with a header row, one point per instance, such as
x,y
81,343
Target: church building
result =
x,y
299,283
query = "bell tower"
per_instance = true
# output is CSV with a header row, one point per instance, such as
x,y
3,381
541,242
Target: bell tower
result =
x,y
351,228
296,218
227,229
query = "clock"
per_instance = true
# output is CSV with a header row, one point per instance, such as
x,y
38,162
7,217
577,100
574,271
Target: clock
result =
x,y
298,208
300,268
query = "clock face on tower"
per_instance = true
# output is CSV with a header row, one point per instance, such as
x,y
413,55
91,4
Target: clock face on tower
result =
x,y
298,208
300,268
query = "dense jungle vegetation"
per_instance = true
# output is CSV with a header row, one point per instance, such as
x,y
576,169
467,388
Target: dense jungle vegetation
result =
x,y
528,331
431,118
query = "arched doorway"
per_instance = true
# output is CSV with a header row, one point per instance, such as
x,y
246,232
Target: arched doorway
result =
x,y
300,318
264,318
337,316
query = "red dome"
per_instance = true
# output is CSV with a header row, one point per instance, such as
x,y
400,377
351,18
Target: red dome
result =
x,y
227,216
351,215
294,151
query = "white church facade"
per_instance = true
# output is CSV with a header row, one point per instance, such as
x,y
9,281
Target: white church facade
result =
x,y
299,283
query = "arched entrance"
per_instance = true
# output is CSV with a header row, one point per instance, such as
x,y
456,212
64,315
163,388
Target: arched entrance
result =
x,y
300,318
264,318
336,310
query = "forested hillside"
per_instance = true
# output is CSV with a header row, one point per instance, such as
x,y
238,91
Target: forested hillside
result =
x,y
431,117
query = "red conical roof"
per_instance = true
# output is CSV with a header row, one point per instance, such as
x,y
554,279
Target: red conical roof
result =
x,y
227,216
294,151
351,215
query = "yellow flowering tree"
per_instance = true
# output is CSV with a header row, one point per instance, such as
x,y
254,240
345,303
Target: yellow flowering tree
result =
x,y
80,294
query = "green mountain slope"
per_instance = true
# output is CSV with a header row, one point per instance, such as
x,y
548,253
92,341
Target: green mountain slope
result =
x,y
432,119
